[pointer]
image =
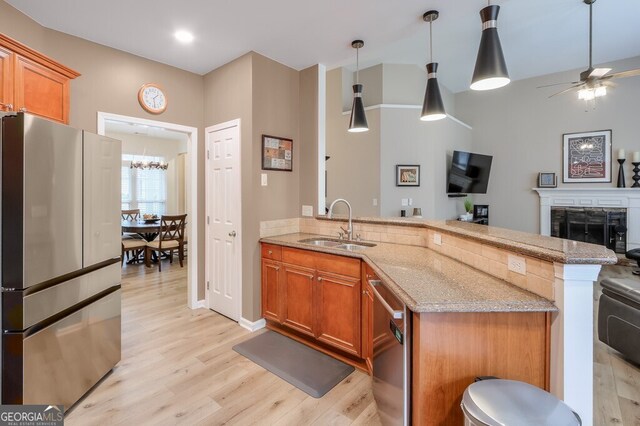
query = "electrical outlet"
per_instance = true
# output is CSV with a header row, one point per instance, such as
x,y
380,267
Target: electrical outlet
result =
x,y
517,264
375,202
307,211
263,179
437,239
405,202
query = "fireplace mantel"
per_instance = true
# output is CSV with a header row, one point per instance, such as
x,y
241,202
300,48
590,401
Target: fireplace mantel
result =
x,y
625,198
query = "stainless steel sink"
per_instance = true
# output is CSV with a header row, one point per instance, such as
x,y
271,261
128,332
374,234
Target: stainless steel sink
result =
x,y
341,244
354,246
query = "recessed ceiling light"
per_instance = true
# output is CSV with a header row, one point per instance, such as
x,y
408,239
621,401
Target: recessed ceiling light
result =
x,y
183,36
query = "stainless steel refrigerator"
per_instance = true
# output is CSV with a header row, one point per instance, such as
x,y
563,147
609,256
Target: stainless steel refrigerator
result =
x,y
60,268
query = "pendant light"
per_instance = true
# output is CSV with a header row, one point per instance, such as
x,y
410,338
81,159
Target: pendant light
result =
x,y
358,122
491,70
432,107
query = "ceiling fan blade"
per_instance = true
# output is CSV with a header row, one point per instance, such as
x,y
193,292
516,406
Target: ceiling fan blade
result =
x,y
558,84
566,90
599,72
622,74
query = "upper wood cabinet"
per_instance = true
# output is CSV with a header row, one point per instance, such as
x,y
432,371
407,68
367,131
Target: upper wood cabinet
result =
x,y
32,82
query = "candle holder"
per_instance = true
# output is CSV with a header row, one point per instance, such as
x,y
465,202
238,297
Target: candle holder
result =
x,y
636,175
621,183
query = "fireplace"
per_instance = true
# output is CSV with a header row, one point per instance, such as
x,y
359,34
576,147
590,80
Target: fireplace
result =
x,y
603,226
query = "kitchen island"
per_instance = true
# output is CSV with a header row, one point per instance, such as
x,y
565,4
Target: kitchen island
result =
x,y
472,314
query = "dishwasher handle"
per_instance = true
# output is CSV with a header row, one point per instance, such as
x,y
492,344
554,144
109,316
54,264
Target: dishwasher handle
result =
x,y
394,314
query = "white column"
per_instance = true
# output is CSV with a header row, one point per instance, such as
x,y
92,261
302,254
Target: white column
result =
x,y
572,338
545,216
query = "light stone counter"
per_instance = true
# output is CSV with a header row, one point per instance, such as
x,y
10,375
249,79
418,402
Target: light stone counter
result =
x,y
538,246
427,281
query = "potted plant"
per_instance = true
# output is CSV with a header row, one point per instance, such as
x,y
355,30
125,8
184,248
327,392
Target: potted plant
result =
x,y
468,207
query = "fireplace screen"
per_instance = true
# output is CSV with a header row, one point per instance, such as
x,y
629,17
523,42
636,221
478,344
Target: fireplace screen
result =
x,y
607,227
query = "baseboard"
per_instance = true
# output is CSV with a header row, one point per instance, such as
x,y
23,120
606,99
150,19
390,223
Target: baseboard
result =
x,y
252,326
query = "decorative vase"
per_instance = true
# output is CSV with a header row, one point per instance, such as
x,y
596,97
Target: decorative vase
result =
x,y
621,183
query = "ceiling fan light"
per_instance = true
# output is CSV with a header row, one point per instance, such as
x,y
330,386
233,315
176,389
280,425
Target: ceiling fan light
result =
x,y
490,71
586,94
600,91
432,107
358,120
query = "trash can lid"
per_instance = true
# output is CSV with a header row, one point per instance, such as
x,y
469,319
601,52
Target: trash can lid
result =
x,y
501,402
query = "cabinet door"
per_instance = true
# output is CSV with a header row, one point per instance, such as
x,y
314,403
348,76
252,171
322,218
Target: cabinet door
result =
x,y
297,289
338,319
271,290
367,325
6,80
41,91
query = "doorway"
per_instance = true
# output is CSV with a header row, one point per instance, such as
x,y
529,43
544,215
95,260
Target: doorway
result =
x,y
223,245
191,184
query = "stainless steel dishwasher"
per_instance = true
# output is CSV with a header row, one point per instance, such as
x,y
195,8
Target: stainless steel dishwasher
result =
x,y
391,356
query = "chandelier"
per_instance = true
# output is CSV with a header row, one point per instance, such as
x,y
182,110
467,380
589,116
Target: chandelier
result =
x,y
149,165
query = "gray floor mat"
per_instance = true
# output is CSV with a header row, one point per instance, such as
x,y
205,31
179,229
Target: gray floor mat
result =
x,y
305,368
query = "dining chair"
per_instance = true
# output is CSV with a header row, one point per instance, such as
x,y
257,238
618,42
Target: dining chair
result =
x,y
131,215
171,238
132,246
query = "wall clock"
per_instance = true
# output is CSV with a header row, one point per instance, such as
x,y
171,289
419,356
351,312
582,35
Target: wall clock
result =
x,y
152,98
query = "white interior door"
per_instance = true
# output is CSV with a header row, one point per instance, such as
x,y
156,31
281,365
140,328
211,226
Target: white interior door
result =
x,y
223,246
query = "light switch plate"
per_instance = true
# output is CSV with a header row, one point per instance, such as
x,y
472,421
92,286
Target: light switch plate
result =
x,y
517,264
375,202
405,202
263,179
437,239
410,201
307,211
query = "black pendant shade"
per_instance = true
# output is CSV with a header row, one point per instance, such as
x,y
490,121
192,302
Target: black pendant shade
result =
x,y
432,107
358,121
491,70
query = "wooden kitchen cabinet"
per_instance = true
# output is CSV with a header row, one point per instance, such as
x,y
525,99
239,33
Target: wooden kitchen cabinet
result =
x,y
367,316
313,295
338,311
271,290
298,298
32,82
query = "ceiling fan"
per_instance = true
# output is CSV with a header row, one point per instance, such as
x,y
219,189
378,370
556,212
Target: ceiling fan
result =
x,y
593,82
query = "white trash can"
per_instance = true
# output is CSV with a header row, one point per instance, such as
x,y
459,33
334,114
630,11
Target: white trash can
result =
x,y
498,402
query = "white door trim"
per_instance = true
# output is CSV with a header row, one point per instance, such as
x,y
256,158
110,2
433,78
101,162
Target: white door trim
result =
x,y
192,191
214,128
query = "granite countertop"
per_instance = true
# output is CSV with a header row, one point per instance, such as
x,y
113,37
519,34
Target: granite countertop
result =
x,y
538,246
427,281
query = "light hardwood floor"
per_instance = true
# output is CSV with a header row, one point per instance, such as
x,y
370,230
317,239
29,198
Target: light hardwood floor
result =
x,y
617,381
178,368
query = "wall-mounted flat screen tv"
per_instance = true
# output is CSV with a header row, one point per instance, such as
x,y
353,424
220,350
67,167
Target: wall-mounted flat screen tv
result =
x,y
469,173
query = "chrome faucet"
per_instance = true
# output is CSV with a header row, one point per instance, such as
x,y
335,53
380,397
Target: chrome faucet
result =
x,y
349,230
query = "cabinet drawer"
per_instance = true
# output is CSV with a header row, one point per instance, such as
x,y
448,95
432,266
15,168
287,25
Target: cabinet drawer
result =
x,y
270,251
335,264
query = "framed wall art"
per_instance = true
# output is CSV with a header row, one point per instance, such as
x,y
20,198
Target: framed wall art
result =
x,y
407,175
277,153
547,180
587,157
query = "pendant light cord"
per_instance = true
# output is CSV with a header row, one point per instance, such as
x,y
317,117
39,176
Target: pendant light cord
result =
x,y
431,40
590,35
357,65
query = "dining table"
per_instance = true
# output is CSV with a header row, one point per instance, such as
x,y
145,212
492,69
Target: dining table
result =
x,y
148,230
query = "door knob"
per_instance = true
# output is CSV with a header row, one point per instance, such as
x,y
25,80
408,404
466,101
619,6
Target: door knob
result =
x,y
232,233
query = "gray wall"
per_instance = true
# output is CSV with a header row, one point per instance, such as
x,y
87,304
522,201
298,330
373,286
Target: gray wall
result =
x,y
522,128
308,139
362,165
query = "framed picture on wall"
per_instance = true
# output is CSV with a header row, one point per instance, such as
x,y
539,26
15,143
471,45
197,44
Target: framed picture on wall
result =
x,y
277,153
547,180
407,175
587,157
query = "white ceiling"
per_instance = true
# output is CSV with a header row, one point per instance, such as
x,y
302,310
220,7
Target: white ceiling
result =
x,y
538,36
143,130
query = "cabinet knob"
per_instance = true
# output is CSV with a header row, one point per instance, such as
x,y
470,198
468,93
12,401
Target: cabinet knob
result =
x,y
23,109
270,251
7,107
319,278
277,268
